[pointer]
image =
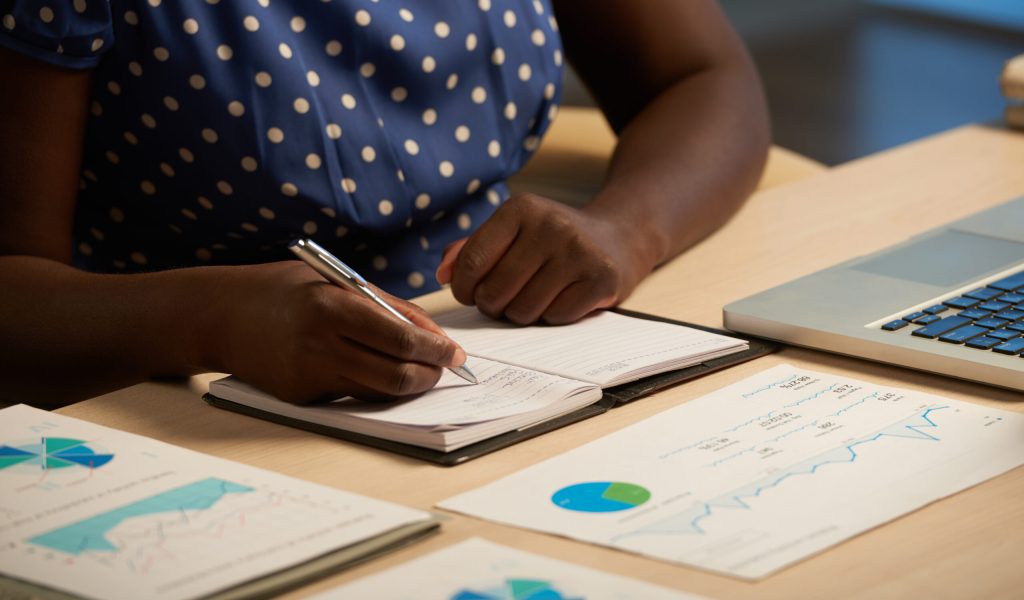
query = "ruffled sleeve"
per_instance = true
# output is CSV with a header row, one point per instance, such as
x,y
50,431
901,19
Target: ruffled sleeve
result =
x,y
67,33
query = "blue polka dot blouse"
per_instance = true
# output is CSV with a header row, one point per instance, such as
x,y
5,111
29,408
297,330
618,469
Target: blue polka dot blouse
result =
x,y
219,130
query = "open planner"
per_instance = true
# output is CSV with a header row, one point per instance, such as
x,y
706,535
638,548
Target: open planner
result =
x,y
532,379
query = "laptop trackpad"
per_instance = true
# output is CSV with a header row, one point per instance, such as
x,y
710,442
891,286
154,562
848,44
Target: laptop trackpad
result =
x,y
945,259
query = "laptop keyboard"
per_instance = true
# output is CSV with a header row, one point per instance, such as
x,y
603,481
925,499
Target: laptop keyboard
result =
x,y
987,318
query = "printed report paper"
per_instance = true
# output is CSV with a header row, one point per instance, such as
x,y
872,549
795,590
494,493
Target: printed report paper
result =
x,y
102,513
477,569
760,474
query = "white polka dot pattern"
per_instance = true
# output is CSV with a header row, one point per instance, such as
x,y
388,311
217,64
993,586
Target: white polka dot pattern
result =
x,y
216,136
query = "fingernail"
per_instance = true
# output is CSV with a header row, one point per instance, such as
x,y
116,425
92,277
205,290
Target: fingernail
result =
x,y
444,273
459,358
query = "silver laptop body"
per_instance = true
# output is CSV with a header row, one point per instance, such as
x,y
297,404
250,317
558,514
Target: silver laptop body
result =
x,y
843,308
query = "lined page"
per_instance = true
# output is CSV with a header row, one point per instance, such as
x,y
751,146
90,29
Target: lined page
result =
x,y
503,391
605,348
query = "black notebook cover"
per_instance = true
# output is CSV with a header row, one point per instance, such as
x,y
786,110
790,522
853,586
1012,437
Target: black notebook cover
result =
x,y
612,397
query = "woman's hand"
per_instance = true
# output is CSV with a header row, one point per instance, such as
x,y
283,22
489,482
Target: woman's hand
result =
x,y
284,329
538,259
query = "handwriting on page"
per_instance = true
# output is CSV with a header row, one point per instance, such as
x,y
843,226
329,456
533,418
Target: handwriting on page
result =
x,y
503,391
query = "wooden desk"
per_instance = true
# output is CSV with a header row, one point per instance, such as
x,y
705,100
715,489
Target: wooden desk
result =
x,y
969,545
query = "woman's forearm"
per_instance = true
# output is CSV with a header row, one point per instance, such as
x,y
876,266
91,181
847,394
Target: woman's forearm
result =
x,y
68,335
686,162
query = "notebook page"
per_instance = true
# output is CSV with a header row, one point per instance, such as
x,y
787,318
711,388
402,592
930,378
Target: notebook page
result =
x,y
502,391
601,348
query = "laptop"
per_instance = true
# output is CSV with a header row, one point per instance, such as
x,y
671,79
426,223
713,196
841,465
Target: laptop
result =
x,y
948,301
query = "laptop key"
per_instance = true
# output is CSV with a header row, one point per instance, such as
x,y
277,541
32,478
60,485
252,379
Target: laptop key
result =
x,y
1012,297
1016,327
962,334
1011,347
894,325
994,305
992,323
934,310
934,330
985,293
927,319
914,316
1009,314
973,313
1009,284
1003,334
983,343
962,302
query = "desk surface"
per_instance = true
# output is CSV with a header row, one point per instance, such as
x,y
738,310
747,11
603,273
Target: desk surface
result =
x,y
968,545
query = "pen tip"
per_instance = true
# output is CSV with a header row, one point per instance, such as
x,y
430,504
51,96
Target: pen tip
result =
x,y
466,374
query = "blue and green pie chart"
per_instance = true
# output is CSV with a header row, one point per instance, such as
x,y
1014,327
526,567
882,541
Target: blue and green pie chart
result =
x,y
53,453
601,496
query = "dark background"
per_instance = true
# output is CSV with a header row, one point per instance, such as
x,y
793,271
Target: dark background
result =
x,y
846,78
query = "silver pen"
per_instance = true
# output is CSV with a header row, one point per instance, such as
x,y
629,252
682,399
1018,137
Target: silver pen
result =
x,y
339,273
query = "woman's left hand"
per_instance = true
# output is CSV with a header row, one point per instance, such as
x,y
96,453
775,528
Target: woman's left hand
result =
x,y
537,259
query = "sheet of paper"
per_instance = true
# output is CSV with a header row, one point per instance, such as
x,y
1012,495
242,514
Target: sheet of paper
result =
x,y
107,514
760,474
502,391
477,569
597,348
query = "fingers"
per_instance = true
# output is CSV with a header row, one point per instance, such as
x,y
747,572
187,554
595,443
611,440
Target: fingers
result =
x,y
383,373
312,392
421,319
349,369
537,259
412,312
445,269
577,301
506,280
360,320
557,295
535,297
482,251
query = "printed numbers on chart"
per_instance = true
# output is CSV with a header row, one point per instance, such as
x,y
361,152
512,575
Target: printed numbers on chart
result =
x,y
714,444
795,382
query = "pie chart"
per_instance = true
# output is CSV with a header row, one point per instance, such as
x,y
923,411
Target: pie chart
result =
x,y
601,496
53,453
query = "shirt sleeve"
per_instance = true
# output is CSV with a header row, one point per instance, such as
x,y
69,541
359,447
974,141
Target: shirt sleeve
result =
x,y
66,33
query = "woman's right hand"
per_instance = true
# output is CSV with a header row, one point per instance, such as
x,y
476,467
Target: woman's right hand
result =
x,y
284,329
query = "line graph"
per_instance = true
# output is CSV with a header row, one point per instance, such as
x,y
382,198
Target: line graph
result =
x,y
790,432
689,521
772,413
770,386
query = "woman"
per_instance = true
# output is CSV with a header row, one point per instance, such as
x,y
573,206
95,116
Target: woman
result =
x,y
156,157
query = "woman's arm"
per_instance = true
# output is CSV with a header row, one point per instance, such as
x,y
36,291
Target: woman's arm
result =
x,y
66,334
679,88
